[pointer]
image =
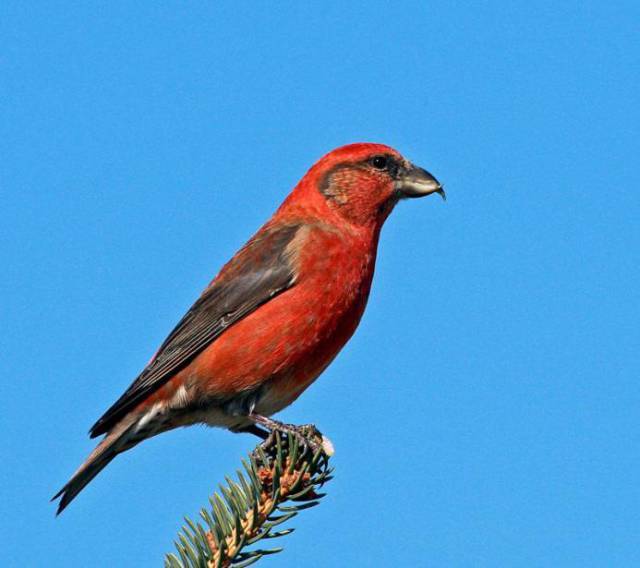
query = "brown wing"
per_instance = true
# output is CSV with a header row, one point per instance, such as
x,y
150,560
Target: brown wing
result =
x,y
259,272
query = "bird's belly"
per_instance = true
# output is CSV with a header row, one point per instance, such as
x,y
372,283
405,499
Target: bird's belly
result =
x,y
279,350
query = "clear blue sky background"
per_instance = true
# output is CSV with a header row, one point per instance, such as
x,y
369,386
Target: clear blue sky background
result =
x,y
485,413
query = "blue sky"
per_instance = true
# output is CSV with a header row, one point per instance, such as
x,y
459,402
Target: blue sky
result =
x,y
485,413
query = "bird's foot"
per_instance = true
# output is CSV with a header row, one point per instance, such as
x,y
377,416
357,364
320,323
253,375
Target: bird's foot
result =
x,y
307,435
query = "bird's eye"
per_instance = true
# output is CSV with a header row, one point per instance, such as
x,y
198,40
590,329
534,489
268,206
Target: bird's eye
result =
x,y
379,162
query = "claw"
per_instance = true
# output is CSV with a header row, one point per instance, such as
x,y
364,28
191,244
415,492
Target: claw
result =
x,y
307,435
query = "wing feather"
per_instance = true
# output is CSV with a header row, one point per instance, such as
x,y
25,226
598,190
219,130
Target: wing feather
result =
x,y
259,272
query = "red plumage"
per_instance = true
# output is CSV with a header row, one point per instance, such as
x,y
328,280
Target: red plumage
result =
x,y
277,313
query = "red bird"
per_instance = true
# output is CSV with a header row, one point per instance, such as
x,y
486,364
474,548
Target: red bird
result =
x,y
277,314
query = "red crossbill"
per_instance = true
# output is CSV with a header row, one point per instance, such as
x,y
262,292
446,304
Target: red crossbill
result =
x,y
275,316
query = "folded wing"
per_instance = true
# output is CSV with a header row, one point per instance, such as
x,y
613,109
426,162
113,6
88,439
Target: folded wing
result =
x,y
260,271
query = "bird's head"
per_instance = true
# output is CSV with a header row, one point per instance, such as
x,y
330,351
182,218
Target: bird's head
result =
x,y
363,182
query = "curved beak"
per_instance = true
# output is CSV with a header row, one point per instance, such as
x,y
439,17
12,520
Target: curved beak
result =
x,y
413,181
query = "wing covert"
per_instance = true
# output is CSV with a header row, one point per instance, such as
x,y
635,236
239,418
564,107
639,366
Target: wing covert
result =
x,y
260,271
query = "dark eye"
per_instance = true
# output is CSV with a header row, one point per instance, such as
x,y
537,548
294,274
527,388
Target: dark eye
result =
x,y
379,162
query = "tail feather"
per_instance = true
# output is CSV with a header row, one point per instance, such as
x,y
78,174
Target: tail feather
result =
x,y
117,441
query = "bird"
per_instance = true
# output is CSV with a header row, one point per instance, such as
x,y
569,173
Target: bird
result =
x,y
274,317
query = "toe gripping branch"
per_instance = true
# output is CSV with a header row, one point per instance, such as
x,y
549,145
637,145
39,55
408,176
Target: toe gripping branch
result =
x,y
280,478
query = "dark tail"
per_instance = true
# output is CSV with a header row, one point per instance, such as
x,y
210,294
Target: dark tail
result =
x,y
118,440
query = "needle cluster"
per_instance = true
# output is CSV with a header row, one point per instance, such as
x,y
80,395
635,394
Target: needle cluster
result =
x,y
280,478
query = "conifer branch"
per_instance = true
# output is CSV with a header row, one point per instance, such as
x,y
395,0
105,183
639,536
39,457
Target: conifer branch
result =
x,y
283,469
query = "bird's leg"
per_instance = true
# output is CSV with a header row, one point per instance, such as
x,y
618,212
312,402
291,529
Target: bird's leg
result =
x,y
304,434
252,429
